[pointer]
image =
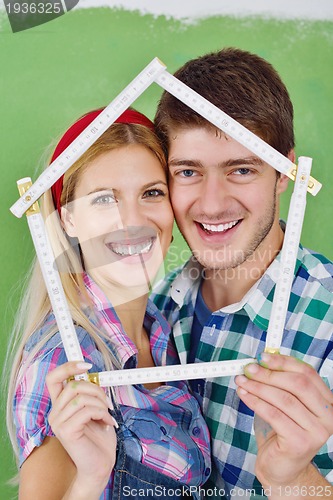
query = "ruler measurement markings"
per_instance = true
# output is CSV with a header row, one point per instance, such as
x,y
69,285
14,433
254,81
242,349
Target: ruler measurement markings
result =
x,y
288,257
54,287
52,280
172,372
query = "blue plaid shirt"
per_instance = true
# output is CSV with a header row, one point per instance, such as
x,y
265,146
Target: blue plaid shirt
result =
x,y
239,331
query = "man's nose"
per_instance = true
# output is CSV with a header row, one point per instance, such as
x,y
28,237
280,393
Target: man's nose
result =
x,y
215,195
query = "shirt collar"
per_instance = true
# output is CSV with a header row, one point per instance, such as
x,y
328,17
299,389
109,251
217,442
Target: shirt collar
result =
x,y
257,302
187,281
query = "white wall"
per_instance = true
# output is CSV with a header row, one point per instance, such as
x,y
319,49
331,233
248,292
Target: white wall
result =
x,y
194,9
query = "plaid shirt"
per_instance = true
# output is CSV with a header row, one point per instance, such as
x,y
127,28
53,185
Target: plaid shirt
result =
x,y
239,331
169,432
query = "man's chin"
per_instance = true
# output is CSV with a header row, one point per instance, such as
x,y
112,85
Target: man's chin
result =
x,y
219,264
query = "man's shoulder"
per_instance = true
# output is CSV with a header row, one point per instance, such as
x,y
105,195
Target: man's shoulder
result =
x,y
317,269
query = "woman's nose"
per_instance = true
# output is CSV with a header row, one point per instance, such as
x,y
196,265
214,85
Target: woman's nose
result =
x,y
131,214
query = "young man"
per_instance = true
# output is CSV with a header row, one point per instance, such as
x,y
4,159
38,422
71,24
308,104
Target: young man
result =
x,y
226,203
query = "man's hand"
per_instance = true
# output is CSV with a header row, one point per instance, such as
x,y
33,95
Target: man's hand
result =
x,y
294,401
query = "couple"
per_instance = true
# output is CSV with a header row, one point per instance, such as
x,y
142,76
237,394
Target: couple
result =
x,y
74,441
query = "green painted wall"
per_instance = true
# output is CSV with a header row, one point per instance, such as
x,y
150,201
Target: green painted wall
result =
x,y
53,73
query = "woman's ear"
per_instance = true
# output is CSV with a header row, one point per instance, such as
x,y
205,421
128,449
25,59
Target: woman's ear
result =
x,y
67,222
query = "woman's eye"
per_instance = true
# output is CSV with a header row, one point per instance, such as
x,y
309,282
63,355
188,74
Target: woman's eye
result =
x,y
104,199
153,193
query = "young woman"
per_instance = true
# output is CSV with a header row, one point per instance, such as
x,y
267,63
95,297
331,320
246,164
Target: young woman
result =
x,y
110,224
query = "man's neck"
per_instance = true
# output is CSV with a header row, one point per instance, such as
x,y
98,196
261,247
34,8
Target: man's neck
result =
x,y
222,288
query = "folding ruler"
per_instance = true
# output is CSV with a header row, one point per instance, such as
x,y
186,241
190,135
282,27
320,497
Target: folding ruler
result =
x,y
30,193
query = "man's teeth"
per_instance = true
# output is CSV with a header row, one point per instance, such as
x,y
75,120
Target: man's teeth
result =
x,y
214,228
122,249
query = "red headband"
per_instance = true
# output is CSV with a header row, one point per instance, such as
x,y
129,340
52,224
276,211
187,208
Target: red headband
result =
x,y
128,116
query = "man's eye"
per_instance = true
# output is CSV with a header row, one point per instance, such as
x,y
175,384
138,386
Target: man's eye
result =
x,y
153,193
242,171
187,173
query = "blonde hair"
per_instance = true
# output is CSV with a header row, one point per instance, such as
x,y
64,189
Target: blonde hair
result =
x,y
35,306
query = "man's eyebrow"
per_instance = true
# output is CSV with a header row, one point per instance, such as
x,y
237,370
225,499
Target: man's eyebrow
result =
x,y
250,160
184,163
232,162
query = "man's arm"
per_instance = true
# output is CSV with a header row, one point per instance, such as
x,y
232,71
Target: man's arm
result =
x,y
298,407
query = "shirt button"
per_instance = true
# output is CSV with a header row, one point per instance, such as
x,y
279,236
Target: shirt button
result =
x,y
207,471
163,429
196,431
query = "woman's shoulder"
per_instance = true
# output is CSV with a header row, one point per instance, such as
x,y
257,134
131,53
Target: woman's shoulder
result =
x,y
45,345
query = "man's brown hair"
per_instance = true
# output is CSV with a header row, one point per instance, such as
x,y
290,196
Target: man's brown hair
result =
x,y
241,84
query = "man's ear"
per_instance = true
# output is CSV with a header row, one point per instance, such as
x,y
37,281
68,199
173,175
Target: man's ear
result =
x,y
67,222
292,156
283,179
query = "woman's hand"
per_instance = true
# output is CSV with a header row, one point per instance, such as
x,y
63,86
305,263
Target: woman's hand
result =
x,y
81,422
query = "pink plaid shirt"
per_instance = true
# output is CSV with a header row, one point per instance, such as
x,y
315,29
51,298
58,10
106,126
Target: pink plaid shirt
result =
x,y
169,433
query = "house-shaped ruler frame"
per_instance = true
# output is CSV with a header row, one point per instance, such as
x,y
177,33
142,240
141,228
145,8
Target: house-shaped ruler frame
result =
x,y
30,193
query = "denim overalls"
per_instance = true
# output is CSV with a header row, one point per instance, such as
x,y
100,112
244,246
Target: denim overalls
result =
x,y
134,479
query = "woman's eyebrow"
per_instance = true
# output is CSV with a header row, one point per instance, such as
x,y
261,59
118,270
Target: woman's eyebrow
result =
x,y
98,189
153,183
145,186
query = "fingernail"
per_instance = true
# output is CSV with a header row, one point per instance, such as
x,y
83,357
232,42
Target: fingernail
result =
x,y
82,365
251,369
241,379
264,358
108,427
115,423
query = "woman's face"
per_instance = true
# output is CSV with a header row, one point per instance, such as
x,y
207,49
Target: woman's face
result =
x,y
122,216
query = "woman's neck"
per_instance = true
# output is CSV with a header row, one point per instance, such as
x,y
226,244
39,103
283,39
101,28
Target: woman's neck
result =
x,y
130,305
131,315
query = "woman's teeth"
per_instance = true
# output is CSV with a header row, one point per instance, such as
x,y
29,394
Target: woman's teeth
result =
x,y
219,228
123,250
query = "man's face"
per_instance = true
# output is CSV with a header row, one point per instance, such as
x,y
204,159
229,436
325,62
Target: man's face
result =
x,y
224,197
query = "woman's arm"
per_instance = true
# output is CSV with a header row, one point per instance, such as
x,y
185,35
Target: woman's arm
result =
x,y
47,473
77,463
